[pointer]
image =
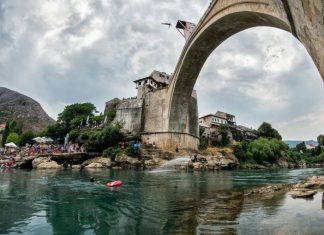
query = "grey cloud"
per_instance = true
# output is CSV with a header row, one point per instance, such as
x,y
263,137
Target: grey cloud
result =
x,y
133,43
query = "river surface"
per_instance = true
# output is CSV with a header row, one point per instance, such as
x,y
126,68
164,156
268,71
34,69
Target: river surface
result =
x,y
65,202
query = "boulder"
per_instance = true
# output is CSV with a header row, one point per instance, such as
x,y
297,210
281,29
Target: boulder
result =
x,y
302,193
97,162
123,159
95,165
48,165
40,160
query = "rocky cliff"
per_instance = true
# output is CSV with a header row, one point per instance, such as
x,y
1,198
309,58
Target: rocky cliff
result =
x,y
15,106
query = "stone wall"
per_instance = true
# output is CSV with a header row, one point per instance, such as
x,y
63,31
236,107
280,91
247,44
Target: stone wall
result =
x,y
171,141
129,112
155,116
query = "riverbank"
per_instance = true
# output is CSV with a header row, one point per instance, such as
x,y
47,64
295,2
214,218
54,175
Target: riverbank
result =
x,y
210,159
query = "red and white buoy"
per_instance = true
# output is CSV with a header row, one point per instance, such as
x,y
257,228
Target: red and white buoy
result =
x,y
114,183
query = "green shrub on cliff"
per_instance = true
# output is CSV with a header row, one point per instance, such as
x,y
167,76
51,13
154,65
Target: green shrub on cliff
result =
x,y
203,144
240,150
111,152
132,151
267,150
265,130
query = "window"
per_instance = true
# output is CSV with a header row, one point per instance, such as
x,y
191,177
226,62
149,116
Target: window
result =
x,y
139,83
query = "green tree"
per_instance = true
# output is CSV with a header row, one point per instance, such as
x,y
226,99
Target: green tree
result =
x,y
76,110
73,135
15,126
267,150
240,150
222,138
111,135
266,131
56,131
5,134
26,138
301,147
13,137
98,118
320,140
11,127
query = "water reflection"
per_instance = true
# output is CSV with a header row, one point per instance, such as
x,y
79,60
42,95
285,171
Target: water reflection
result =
x,y
65,202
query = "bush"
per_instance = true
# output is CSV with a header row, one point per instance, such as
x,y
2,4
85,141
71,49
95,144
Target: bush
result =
x,y
13,137
267,150
84,136
203,144
26,138
73,135
111,135
222,139
132,151
111,152
240,149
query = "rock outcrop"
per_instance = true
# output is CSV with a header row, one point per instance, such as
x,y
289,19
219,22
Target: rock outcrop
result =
x,y
16,106
308,188
97,162
45,163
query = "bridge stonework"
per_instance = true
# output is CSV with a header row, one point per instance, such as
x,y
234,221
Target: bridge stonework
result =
x,y
171,116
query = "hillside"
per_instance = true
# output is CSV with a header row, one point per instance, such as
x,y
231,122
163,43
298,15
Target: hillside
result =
x,y
16,106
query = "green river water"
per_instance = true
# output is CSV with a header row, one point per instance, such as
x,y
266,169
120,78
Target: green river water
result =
x,y
65,202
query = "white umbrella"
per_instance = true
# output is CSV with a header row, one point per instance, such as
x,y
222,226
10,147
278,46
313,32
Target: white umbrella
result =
x,y
38,139
48,139
11,145
42,140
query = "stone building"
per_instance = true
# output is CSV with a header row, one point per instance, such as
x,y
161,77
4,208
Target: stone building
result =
x,y
146,111
209,123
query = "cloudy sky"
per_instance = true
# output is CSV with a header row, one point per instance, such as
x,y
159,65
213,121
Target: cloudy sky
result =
x,y
65,51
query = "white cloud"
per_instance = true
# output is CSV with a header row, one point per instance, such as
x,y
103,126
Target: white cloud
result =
x,y
61,52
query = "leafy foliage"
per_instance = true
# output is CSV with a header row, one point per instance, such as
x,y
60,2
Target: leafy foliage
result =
x,y
111,115
320,140
11,127
26,138
240,150
203,144
266,150
73,135
110,136
13,137
301,147
5,134
265,130
222,139
56,131
111,152
132,151
76,111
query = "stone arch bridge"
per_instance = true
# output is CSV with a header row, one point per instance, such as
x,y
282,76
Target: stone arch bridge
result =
x,y
171,115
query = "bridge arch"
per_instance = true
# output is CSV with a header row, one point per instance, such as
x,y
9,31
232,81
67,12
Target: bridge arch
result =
x,y
194,58
178,113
